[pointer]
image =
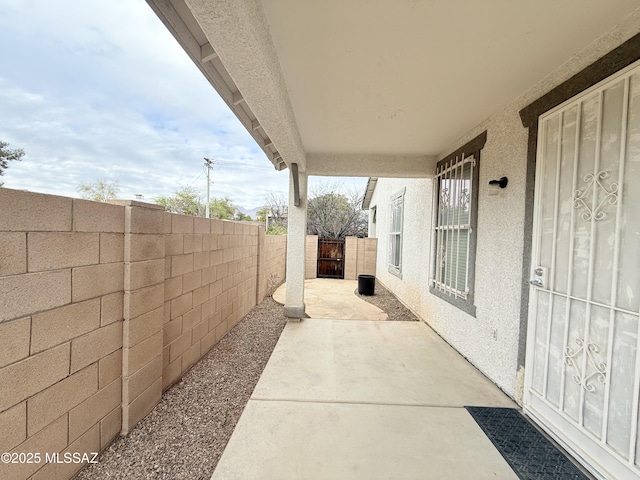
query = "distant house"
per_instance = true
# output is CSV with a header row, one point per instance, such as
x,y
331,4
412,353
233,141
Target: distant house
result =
x,y
502,142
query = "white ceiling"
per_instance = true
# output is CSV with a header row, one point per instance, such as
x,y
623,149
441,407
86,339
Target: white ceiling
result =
x,y
409,76
377,87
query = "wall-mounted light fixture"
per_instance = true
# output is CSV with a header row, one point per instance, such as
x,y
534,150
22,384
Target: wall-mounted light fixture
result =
x,y
502,183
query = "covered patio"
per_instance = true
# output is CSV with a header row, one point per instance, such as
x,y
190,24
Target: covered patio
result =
x,y
372,89
364,400
350,395
447,107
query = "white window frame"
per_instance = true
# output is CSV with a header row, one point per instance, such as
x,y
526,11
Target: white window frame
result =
x,y
459,215
397,203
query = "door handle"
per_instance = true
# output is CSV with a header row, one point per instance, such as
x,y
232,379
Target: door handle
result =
x,y
536,282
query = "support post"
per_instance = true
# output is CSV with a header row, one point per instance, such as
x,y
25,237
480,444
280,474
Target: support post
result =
x,y
296,244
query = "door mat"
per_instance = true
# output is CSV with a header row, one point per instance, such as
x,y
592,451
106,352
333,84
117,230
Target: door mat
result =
x,y
529,453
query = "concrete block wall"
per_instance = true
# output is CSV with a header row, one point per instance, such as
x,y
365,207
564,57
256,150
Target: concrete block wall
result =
x,y
360,257
144,272
350,258
102,306
272,268
216,271
366,256
311,257
61,328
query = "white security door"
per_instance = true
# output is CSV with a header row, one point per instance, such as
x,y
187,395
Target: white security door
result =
x,y
583,368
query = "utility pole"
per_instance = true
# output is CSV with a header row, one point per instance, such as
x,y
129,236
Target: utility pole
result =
x,y
208,163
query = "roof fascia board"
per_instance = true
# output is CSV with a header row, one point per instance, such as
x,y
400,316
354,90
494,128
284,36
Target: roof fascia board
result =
x,y
368,194
363,165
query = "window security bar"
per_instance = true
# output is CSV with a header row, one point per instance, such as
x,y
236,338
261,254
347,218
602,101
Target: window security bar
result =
x,y
443,287
452,227
455,164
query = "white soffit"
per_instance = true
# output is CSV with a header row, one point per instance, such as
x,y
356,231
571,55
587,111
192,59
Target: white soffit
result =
x,y
410,77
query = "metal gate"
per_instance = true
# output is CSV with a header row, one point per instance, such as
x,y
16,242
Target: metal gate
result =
x,y
330,258
582,380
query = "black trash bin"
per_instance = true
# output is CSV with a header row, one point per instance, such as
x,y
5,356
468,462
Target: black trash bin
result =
x,y
366,284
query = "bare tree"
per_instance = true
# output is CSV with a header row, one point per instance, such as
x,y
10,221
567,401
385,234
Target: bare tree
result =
x,y
274,213
278,206
334,212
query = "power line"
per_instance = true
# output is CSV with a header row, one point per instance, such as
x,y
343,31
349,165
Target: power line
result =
x,y
251,167
196,177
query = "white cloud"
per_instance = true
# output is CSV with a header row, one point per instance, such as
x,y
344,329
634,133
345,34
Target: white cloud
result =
x,y
101,90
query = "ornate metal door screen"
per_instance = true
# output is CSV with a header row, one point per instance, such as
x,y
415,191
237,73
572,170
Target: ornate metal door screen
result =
x,y
583,368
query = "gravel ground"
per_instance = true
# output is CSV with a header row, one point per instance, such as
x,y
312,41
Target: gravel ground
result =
x,y
185,435
387,301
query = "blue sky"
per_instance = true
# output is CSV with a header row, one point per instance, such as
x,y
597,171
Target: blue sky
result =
x,y
100,90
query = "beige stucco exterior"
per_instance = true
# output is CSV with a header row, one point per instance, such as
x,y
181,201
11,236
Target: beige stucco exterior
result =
x,y
490,340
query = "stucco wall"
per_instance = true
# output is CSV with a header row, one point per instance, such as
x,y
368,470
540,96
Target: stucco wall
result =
x,y
500,234
413,287
102,306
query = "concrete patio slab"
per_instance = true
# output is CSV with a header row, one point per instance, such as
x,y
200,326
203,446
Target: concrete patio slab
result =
x,y
400,363
298,441
333,298
364,400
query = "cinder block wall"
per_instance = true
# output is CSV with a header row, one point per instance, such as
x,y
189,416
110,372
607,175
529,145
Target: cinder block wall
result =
x,y
360,257
272,268
144,244
215,272
61,306
102,306
311,257
367,256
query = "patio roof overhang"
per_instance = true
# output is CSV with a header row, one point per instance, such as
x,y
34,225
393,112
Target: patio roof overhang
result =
x,y
376,87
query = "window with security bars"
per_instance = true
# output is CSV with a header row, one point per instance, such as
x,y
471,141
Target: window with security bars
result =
x,y
453,236
453,227
395,234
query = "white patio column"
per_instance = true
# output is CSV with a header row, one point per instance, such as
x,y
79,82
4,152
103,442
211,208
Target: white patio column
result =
x,y
296,242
